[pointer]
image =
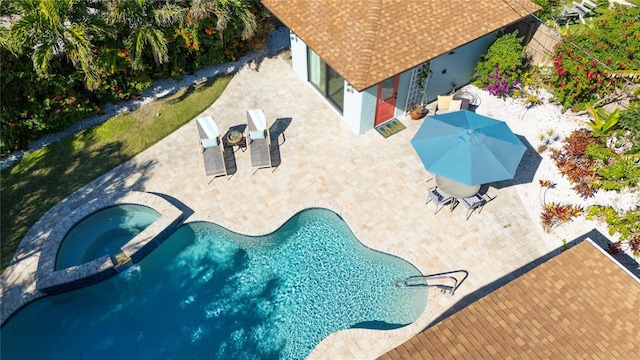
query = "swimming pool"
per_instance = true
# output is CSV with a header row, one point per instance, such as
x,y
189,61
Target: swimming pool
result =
x,y
103,232
207,292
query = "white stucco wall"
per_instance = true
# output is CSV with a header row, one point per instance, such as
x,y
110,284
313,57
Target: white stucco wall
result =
x,y
456,67
353,109
299,56
368,108
351,112
359,107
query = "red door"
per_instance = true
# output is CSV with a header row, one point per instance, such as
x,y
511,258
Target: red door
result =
x,y
387,94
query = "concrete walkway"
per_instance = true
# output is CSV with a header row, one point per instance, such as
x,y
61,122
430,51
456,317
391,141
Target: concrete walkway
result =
x,y
376,184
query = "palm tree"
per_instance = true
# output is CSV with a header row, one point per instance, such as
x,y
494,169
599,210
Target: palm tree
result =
x,y
142,23
223,11
51,29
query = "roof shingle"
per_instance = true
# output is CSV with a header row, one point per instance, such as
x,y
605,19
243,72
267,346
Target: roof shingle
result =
x,y
579,304
368,41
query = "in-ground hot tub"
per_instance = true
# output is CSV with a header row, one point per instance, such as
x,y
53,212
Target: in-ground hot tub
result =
x,y
100,238
102,233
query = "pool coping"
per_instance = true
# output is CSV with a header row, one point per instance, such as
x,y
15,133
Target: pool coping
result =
x,y
51,281
47,281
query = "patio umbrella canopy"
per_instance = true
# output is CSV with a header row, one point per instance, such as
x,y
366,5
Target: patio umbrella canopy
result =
x,y
468,148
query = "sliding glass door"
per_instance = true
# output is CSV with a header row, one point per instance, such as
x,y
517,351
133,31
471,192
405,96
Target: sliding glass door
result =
x,y
325,79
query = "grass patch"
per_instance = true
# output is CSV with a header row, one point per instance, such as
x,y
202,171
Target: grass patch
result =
x,y
47,176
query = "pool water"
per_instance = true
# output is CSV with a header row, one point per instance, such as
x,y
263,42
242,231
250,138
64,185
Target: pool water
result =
x,y
103,233
208,293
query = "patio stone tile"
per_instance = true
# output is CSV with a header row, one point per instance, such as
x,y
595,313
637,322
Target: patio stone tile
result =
x,y
377,185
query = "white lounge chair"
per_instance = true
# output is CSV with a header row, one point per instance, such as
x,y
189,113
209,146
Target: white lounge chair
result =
x,y
212,147
585,8
259,141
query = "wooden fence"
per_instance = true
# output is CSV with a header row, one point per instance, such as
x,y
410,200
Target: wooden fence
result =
x,y
539,41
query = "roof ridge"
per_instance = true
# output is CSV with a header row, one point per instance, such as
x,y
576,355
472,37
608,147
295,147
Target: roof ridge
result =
x,y
363,64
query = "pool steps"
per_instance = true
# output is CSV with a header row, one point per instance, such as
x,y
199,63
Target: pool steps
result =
x,y
51,281
450,284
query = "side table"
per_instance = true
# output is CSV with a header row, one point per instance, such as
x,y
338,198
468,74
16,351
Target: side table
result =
x,y
235,138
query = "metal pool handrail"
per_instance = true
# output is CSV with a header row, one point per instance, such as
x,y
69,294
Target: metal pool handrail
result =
x,y
423,281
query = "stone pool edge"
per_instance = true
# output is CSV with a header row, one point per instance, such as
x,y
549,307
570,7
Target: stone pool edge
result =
x,y
47,281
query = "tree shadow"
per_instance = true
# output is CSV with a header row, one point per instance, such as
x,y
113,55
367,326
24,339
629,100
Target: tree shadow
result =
x,y
64,174
526,169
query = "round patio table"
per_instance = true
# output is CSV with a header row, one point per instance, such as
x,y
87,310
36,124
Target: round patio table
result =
x,y
234,137
456,189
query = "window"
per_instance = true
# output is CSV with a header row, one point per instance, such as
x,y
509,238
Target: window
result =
x,y
325,79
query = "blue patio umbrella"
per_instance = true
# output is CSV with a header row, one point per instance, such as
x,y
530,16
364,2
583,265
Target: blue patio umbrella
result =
x,y
468,148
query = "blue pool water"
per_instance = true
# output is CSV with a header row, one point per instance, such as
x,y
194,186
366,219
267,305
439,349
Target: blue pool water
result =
x,y
208,293
103,233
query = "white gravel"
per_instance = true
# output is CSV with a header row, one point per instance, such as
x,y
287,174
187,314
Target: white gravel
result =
x,y
546,123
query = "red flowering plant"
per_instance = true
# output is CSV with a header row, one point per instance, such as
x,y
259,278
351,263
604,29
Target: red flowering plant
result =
x,y
588,64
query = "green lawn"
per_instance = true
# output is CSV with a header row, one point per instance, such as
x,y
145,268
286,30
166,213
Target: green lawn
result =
x,y
45,177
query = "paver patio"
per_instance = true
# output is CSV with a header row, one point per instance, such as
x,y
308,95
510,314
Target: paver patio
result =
x,y
377,185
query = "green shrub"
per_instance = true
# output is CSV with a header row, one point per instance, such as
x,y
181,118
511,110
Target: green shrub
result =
x,y
615,171
627,224
501,67
549,8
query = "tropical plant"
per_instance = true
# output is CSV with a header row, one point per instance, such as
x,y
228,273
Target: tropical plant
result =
x,y
423,74
615,171
50,30
630,124
222,11
555,214
602,124
548,8
575,164
625,224
546,139
142,24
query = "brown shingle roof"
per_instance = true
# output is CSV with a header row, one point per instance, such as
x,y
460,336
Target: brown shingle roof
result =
x,y
368,41
579,304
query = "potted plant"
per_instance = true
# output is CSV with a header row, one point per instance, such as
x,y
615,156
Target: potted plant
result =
x,y
416,111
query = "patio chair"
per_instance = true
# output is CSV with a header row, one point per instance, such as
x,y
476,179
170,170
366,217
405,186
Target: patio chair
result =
x,y
450,103
212,147
441,199
476,201
259,141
